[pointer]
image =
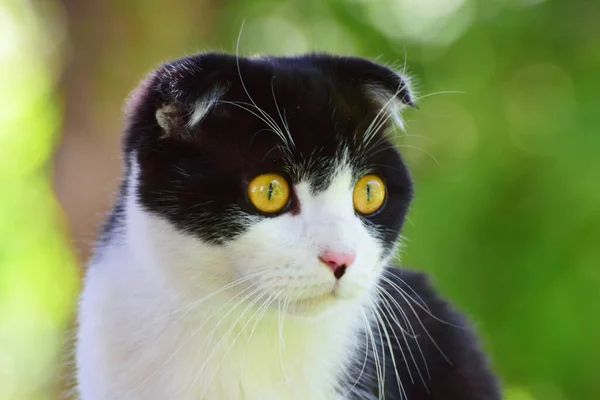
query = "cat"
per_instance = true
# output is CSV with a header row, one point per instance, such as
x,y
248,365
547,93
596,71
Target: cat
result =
x,y
249,252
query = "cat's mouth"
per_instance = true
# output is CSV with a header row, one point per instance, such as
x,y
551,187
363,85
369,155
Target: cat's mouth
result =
x,y
313,305
317,304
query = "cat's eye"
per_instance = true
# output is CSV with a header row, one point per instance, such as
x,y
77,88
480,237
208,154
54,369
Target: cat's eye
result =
x,y
269,193
369,194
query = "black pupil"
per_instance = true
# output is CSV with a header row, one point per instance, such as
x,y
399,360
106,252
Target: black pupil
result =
x,y
368,192
271,187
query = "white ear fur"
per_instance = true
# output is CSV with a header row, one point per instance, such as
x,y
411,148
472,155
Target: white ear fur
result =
x,y
169,116
389,102
204,105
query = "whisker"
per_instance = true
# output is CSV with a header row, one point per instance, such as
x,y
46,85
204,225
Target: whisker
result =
x,y
365,325
266,305
280,320
207,341
283,122
427,332
370,131
413,336
442,92
379,311
191,306
380,362
216,347
387,306
422,305
188,339
420,149
265,115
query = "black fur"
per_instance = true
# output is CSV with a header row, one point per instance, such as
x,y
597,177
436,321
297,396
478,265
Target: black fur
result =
x,y
433,348
197,178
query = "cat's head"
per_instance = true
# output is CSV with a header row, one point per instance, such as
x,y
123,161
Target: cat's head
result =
x,y
274,174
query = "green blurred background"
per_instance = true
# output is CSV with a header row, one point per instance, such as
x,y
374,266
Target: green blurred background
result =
x,y
505,151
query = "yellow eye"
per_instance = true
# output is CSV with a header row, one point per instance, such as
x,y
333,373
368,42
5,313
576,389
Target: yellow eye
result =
x,y
369,194
269,192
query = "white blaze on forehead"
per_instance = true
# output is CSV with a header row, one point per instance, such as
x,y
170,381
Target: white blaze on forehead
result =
x,y
329,214
338,194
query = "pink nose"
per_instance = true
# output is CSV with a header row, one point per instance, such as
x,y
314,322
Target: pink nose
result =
x,y
337,261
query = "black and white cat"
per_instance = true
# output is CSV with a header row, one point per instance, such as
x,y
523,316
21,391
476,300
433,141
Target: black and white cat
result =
x,y
248,254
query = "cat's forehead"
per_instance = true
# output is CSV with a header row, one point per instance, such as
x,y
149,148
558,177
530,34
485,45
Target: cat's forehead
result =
x,y
302,122
303,147
307,108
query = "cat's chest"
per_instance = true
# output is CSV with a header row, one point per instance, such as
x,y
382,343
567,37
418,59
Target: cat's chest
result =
x,y
268,362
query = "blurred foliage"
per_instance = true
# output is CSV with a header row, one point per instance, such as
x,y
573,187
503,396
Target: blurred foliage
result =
x,y
505,151
38,275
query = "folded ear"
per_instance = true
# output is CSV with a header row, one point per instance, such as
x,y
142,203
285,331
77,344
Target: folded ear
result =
x,y
387,89
369,75
178,95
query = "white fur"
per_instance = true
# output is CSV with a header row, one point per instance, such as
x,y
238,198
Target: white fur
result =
x,y
204,105
390,105
158,321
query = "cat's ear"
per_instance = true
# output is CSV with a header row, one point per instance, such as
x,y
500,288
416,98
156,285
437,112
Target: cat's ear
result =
x,y
389,90
374,78
178,95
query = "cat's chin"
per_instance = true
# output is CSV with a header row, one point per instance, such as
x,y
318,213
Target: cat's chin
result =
x,y
318,307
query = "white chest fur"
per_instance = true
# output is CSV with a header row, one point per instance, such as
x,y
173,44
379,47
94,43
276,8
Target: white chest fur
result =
x,y
164,315
138,341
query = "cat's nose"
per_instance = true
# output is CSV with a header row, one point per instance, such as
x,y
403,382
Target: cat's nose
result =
x,y
337,261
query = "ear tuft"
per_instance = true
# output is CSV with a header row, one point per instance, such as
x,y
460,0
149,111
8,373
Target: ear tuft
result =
x,y
388,90
168,118
204,104
177,96
392,102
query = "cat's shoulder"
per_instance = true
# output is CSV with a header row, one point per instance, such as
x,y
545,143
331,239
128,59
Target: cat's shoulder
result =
x,y
414,281
446,335
423,298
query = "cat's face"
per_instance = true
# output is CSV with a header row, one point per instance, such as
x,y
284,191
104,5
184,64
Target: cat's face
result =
x,y
286,179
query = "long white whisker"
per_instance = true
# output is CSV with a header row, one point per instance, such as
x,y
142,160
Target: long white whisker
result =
x,y
370,131
387,306
426,331
378,361
379,313
266,305
207,341
379,125
413,336
365,324
420,149
281,320
187,340
222,341
422,304
283,122
272,123
194,304
442,92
